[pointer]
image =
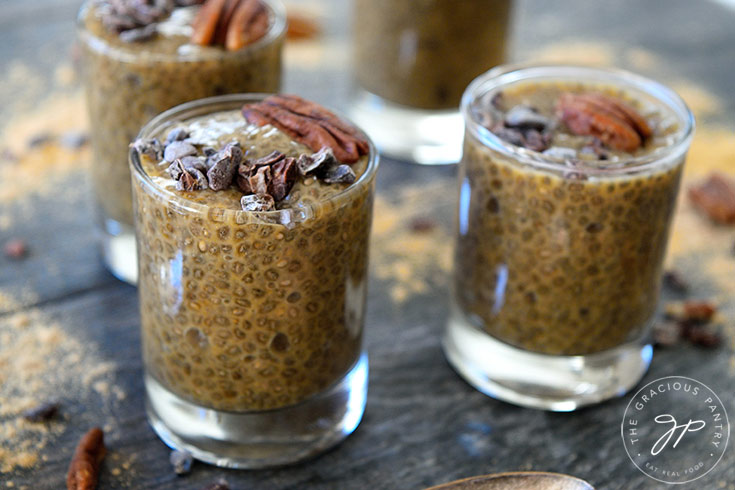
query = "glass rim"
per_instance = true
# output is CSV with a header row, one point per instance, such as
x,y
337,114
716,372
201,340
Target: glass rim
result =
x,y
275,31
196,108
504,75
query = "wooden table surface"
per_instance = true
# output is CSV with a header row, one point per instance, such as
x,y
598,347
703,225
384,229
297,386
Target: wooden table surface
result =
x,y
423,425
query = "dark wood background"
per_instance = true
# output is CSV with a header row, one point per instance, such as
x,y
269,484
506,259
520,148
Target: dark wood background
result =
x,y
423,424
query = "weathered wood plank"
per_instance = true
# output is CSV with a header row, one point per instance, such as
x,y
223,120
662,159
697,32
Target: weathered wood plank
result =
x,y
423,424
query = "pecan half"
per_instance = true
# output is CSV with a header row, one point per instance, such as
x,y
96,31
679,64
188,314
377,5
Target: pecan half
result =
x,y
230,23
617,125
716,198
205,23
308,123
249,23
85,464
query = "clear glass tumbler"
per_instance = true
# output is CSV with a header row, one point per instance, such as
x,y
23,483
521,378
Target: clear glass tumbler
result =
x,y
128,83
412,61
251,323
557,273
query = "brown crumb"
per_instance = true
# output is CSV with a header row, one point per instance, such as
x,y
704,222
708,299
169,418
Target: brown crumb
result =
x,y
16,249
688,320
702,336
715,197
698,311
422,225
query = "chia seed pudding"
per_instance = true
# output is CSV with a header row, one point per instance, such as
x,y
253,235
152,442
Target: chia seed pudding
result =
x,y
250,301
423,53
140,62
567,191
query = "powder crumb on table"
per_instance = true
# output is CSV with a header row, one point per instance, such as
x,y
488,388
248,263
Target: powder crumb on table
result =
x,y
40,362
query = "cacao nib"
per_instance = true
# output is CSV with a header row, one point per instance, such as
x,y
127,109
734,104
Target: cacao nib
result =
x,y
524,117
178,134
16,249
283,177
317,163
224,167
673,281
151,148
341,174
42,412
178,149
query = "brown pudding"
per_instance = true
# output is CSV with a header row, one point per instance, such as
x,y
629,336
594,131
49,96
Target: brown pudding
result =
x,y
131,78
423,53
565,214
249,310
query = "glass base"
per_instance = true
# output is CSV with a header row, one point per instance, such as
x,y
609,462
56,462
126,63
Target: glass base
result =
x,y
421,136
265,439
557,383
119,250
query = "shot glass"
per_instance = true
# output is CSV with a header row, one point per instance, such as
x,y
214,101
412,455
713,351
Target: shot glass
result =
x,y
412,62
558,261
128,83
251,321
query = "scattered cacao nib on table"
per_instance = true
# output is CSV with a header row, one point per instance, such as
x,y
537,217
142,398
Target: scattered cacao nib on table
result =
x,y
40,139
85,464
715,197
181,461
42,413
233,24
422,225
675,282
690,321
74,139
16,249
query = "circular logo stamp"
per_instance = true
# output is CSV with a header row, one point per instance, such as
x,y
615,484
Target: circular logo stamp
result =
x,y
675,429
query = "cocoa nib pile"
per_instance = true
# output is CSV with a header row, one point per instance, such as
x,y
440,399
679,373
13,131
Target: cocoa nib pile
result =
x,y
229,23
135,20
268,180
609,122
